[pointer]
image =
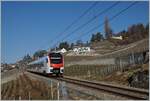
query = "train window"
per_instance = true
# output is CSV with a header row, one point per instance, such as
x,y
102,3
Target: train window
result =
x,y
55,58
55,55
56,61
46,60
39,65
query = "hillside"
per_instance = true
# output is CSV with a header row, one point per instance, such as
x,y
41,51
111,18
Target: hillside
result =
x,y
103,47
112,52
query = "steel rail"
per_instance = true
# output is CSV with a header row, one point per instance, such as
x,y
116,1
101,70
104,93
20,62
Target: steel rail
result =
x,y
123,91
132,93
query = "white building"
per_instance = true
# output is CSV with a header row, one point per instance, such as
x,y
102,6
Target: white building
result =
x,y
81,49
117,37
63,50
13,66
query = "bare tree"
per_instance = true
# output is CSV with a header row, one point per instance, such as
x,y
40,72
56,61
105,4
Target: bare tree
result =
x,y
108,31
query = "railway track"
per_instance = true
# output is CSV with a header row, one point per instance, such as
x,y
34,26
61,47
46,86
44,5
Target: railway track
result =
x,y
131,93
128,92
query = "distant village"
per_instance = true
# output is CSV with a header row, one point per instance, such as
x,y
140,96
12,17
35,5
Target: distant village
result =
x,y
77,50
82,50
134,33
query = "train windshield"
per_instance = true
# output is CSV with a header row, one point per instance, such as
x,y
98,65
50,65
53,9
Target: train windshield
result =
x,y
56,61
55,58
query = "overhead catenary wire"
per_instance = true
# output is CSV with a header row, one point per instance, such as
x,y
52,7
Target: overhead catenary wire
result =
x,y
83,25
75,21
112,18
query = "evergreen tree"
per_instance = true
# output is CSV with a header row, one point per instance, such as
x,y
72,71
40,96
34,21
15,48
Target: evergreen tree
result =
x,y
40,53
72,45
79,43
87,43
64,45
92,38
99,37
27,58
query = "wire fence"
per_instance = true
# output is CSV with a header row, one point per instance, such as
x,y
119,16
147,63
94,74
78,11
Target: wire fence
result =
x,y
121,63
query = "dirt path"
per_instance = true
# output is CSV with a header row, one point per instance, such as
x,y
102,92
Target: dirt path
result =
x,y
24,88
10,75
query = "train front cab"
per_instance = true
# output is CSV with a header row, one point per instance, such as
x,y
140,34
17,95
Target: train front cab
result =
x,y
56,64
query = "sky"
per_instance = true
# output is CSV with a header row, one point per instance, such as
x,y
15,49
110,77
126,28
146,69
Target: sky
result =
x,y
30,26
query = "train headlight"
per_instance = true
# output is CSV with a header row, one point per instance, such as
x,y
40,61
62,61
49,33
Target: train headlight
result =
x,y
51,70
62,70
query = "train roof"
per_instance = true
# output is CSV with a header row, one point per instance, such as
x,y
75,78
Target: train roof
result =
x,y
43,59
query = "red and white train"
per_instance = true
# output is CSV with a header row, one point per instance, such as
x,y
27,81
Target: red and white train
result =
x,y
48,65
